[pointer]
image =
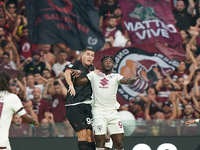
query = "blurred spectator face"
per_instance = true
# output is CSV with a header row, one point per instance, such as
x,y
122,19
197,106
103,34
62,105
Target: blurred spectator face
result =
x,y
188,110
46,48
36,92
25,33
166,109
38,80
44,124
11,8
63,57
5,59
130,104
2,22
57,89
1,32
187,57
151,91
165,82
17,120
112,22
106,45
36,58
180,6
136,108
181,66
128,43
88,57
184,35
159,115
118,12
30,80
7,48
180,81
13,88
46,74
109,1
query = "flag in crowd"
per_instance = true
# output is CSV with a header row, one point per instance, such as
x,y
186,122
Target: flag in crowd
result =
x,y
147,21
73,22
151,61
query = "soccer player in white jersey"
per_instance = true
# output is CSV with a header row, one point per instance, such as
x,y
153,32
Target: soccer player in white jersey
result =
x,y
105,115
9,104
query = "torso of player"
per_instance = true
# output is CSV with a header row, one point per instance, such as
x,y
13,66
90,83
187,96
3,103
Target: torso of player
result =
x,y
104,89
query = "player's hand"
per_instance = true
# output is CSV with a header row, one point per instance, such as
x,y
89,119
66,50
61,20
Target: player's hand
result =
x,y
37,124
76,73
189,122
134,79
72,90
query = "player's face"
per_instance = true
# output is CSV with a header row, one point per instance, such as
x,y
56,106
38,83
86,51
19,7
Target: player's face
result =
x,y
57,89
36,93
17,120
87,57
107,64
188,110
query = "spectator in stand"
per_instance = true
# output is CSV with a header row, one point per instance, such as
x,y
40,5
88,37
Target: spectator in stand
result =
x,y
120,22
180,71
58,67
19,129
180,82
45,53
25,47
58,104
29,109
113,34
182,14
2,33
6,61
45,129
128,43
107,45
21,92
106,10
46,74
40,106
11,7
11,49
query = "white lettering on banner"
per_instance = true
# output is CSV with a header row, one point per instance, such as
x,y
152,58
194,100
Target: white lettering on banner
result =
x,y
147,32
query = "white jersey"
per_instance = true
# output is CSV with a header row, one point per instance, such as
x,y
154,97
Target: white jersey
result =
x,y
104,88
9,104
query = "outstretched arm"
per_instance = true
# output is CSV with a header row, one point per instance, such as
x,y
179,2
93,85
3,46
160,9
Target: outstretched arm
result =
x,y
28,119
128,80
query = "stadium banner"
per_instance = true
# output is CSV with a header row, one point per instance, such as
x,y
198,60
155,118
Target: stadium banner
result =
x,y
150,20
73,22
151,61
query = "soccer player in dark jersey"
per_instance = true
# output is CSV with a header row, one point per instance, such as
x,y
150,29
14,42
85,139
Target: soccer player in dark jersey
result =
x,y
78,105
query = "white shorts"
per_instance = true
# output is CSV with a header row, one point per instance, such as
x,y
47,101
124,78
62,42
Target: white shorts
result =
x,y
106,120
7,147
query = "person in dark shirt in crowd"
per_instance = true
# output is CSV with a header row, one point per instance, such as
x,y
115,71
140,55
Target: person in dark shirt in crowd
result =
x,y
106,10
79,101
182,14
19,129
40,106
35,66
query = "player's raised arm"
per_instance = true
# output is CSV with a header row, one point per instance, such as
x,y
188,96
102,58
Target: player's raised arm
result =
x,y
129,80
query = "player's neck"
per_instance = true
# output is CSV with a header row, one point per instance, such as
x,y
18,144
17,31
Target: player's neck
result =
x,y
107,72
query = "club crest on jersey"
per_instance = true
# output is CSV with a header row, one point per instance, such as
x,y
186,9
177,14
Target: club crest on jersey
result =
x,y
134,62
104,82
99,128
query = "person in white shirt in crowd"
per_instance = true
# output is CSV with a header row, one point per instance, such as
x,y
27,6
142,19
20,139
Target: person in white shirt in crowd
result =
x,y
9,105
60,65
103,104
113,34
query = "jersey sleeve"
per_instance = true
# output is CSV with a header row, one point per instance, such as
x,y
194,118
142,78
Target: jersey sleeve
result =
x,y
90,76
119,77
17,105
74,65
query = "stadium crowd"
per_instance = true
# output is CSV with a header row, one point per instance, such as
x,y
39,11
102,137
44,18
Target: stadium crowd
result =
x,y
39,80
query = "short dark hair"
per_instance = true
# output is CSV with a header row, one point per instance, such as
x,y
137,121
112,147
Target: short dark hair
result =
x,y
56,83
198,70
4,43
62,51
2,27
112,17
24,28
6,53
88,49
107,56
45,69
30,74
179,77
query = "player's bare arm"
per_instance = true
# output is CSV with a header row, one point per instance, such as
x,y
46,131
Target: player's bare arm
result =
x,y
129,80
28,119
69,82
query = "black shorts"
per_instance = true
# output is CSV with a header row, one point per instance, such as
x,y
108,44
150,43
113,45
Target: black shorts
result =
x,y
80,116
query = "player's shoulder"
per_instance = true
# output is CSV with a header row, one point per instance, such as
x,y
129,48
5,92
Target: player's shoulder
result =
x,y
11,96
